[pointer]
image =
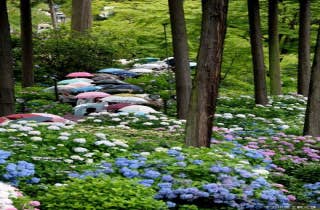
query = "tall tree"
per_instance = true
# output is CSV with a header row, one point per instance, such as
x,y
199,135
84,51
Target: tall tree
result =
x,y
6,78
81,19
260,89
304,69
274,51
181,57
206,84
52,13
26,39
312,119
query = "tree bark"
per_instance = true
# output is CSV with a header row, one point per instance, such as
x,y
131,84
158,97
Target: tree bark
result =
x,y
304,69
26,39
6,62
81,19
205,88
312,119
257,53
181,57
53,14
274,51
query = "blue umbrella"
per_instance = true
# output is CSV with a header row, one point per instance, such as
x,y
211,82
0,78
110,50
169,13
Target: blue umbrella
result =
x,y
85,89
110,70
119,72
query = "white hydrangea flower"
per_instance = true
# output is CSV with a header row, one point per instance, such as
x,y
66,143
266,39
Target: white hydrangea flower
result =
x,y
54,127
80,140
25,128
76,157
90,154
89,161
176,148
80,149
116,119
164,123
97,120
106,154
100,135
161,149
145,153
68,160
105,142
63,138
120,143
37,133
36,138
148,123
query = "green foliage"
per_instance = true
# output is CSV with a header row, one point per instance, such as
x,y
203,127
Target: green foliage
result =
x,y
59,53
100,193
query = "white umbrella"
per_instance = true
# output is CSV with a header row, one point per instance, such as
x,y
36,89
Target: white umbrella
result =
x,y
141,70
138,108
128,99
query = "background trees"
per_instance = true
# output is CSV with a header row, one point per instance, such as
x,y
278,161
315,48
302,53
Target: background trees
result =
x,y
304,69
26,40
274,51
6,78
260,88
81,15
181,57
206,83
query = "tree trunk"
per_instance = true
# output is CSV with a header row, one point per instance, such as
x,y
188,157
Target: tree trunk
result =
x,y
81,19
312,119
181,57
53,14
205,89
274,52
260,90
26,39
304,69
6,62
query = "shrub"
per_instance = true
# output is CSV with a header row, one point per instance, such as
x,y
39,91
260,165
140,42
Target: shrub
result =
x,y
100,193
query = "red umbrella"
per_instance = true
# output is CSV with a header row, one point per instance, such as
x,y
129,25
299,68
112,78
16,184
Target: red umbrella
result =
x,y
3,119
92,95
80,74
116,107
19,116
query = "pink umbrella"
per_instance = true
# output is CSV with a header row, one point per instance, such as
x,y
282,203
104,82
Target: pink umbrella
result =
x,y
80,74
79,84
54,118
92,95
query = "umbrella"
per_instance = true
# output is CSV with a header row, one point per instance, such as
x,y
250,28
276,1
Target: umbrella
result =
x,y
102,76
54,118
79,84
138,109
119,72
120,99
20,116
121,88
69,81
141,70
116,107
158,65
80,74
85,89
110,70
36,119
3,120
108,81
92,95
82,109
